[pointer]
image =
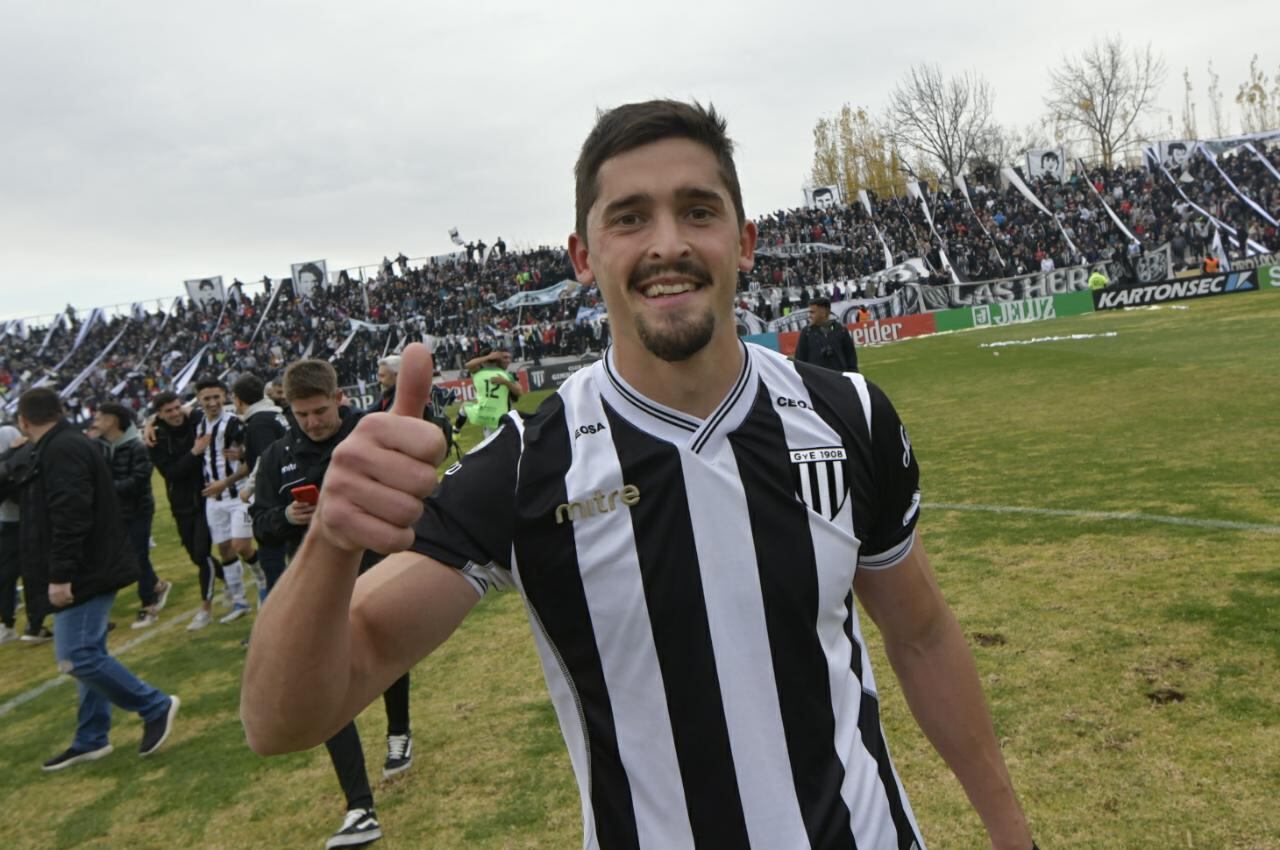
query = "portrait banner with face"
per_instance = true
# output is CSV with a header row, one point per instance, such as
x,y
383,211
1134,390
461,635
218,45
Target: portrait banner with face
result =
x,y
206,291
1175,155
822,197
1049,163
307,276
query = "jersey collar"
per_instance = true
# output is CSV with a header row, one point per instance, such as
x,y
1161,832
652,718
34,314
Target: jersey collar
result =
x,y
673,425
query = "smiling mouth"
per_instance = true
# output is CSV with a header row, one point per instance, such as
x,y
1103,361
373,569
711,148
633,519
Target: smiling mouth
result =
x,y
661,289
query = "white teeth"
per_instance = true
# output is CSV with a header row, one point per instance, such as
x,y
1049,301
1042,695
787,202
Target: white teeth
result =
x,y
668,289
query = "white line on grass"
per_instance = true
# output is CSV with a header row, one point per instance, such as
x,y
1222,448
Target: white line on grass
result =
x,y
1126,516
39,690
1041,339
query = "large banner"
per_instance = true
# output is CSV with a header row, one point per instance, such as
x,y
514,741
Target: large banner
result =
x,y
206,291
822,197
1141,295
1175,155
1152,266
539,297
796,249
307,276
1048,163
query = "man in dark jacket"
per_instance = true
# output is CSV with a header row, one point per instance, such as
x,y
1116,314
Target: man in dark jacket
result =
x,y
130,466
298,459
71,529
178,453
826,342
15,463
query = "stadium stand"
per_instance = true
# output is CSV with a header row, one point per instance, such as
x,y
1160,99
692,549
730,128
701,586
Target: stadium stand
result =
x,y
995,232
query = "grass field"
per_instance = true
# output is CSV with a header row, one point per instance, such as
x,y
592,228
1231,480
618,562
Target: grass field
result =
x,y
1133,666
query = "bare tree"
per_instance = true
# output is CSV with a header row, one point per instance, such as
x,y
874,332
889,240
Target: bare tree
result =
x,y
943,120
1105,91
1188,107
1215,102
1259,100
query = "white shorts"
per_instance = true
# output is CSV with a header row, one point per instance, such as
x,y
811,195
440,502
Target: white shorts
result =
x,y
228,519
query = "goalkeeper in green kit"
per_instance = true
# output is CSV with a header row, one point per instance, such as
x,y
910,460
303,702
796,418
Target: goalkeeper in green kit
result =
x,y
496,390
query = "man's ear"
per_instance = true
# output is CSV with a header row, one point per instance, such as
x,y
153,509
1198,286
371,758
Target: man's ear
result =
x,y
581,258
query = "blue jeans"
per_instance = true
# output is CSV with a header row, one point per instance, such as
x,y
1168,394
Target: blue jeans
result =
x,y
80,645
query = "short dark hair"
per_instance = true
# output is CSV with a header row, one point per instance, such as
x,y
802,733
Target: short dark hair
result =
x,y
163,399
40,406
310,378
207,283
312,269
824,191
821,301
1049,155
209,382
248,388
124,416
635,125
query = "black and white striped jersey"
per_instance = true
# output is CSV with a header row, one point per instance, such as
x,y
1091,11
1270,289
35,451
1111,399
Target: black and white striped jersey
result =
x,y
689,585
227,430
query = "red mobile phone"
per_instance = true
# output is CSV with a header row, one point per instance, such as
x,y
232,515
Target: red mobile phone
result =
x,y
308,494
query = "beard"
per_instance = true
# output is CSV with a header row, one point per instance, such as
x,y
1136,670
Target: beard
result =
x,y
677,338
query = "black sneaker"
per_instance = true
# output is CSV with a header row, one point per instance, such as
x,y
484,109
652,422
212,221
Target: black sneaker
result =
x,y
36,636
359,827
399,754
73,756
157,731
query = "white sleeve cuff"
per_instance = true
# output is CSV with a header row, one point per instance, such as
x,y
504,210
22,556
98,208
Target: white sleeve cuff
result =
x,y
890,557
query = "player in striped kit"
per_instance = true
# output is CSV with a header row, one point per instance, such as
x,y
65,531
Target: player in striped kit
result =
x,y
687,522
228,517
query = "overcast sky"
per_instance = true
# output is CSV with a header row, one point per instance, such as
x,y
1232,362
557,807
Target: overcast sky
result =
x,y
148,142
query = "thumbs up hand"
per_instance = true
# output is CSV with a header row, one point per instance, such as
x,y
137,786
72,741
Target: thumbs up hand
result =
x,y
380,474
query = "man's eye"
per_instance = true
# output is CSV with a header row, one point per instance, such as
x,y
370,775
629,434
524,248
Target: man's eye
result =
x,y
701,214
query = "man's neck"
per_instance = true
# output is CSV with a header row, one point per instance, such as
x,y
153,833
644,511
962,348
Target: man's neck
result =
x,y
36,432
695,386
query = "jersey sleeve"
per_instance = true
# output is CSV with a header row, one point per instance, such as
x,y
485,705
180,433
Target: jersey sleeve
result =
x,y
468,522
897,483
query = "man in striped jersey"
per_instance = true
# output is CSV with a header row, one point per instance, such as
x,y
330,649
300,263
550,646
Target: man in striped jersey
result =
x,y
229,523
687,520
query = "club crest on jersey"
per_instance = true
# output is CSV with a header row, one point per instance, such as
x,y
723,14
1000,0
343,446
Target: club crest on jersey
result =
x,y
819,478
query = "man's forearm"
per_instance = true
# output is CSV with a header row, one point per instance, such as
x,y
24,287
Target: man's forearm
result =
x,y
298,671
940,682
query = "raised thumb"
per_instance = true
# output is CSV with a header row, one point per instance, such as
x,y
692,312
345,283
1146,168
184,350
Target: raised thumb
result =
x,y
413,383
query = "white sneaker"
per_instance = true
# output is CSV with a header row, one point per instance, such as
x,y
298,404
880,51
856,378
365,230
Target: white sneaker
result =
x,y
359,827
200,620
238,610
145,618
162,594
7,633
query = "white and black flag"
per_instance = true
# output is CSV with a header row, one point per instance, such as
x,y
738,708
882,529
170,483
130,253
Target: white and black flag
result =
x,y
307,276
1048,164
822,197
818,475
1175,155
206,291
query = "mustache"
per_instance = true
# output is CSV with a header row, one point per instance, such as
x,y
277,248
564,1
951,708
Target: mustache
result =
x,y
684,267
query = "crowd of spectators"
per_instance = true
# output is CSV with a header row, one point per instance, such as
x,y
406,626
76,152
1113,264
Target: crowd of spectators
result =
x,y
996,232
